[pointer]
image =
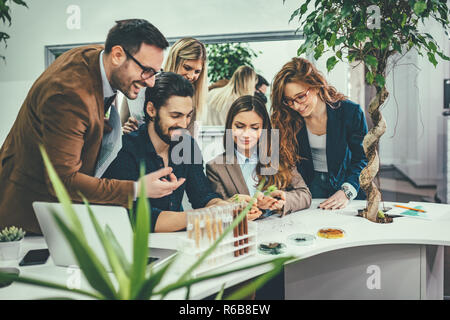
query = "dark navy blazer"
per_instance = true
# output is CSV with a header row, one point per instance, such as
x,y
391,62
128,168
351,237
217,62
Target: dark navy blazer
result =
x,y
346,128
137,147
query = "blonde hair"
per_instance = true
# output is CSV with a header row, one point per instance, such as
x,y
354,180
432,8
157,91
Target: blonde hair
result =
x,y
242,83
190,49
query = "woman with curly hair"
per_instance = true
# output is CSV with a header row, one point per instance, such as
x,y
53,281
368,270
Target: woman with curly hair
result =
x,y
321,133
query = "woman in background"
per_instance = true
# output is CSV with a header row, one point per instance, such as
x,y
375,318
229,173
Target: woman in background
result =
x,y
219,100
187,57
248,129
321,132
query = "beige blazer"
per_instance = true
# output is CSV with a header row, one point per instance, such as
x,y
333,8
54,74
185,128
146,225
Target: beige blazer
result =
x,y
227,180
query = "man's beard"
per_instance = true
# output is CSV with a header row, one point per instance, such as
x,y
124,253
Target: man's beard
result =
x,y
165,137
118,82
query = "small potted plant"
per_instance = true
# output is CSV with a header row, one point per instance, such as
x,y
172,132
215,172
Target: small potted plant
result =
x,y
10,241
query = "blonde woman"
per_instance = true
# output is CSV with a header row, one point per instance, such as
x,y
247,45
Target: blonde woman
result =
x,y
219,100
187,57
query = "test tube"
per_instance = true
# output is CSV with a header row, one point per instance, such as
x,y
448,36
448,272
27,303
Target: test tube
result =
x,y
208,226
236,229
214,215
197,229
190,224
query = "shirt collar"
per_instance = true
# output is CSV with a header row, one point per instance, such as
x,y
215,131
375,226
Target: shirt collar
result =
x,y
108,91
143,133
241,157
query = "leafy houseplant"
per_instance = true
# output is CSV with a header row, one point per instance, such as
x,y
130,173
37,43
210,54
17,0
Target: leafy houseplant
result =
x,y
225,58
350,29
10,241
5,16
135,280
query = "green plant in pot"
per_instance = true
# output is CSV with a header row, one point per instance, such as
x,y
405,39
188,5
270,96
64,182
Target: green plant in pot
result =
x,y
132,279
10,243
5,16
225,58
371,32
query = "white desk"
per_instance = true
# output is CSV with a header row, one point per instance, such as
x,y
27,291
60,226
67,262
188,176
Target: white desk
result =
x,y
406,257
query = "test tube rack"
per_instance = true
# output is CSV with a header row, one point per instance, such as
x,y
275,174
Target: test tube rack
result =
x,y
224,254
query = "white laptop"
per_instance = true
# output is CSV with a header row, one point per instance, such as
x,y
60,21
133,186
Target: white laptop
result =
x,y
115,217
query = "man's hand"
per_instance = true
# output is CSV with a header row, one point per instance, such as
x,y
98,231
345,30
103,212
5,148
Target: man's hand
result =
x,y
336,201
216,202
160,183
130,126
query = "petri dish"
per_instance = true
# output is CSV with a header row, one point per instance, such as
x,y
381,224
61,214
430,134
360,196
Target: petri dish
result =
x,y
331,233
272,248
301,239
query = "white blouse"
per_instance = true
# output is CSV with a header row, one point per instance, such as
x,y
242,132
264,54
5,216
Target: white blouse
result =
x,y
318,146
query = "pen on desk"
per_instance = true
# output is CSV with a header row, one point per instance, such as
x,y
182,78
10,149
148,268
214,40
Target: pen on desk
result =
x,y
235,234
414,209
246,233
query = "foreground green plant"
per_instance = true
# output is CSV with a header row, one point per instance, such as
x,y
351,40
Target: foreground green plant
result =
x,y
135,279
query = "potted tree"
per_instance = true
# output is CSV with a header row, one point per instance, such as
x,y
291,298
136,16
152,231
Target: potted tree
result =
x,y
5,11
371,32
10,243
225,58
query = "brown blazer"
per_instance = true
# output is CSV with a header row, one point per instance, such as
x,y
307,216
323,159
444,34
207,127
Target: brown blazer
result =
x,y
227,180
63,111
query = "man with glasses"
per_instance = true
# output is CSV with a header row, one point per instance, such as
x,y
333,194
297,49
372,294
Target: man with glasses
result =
x,y
64,112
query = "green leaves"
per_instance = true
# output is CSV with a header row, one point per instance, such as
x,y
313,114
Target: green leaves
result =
x,y
318,51
432,58
6,17
133,279
380,80
11,234
92,268
259,282
398,31
140,244
225,58
377,78
371,61
419,7
369,77
331,62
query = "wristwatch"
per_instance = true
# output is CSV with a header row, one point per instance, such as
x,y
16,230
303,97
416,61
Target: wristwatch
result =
x,y
347,191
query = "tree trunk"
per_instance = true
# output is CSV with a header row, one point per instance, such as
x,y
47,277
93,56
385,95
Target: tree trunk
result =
x,y
370,144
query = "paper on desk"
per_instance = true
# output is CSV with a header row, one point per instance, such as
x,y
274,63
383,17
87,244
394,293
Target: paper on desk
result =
x,y
410,213
435,211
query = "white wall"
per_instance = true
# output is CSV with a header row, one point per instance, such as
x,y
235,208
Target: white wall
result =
x,y
417,110
44,23
413,148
